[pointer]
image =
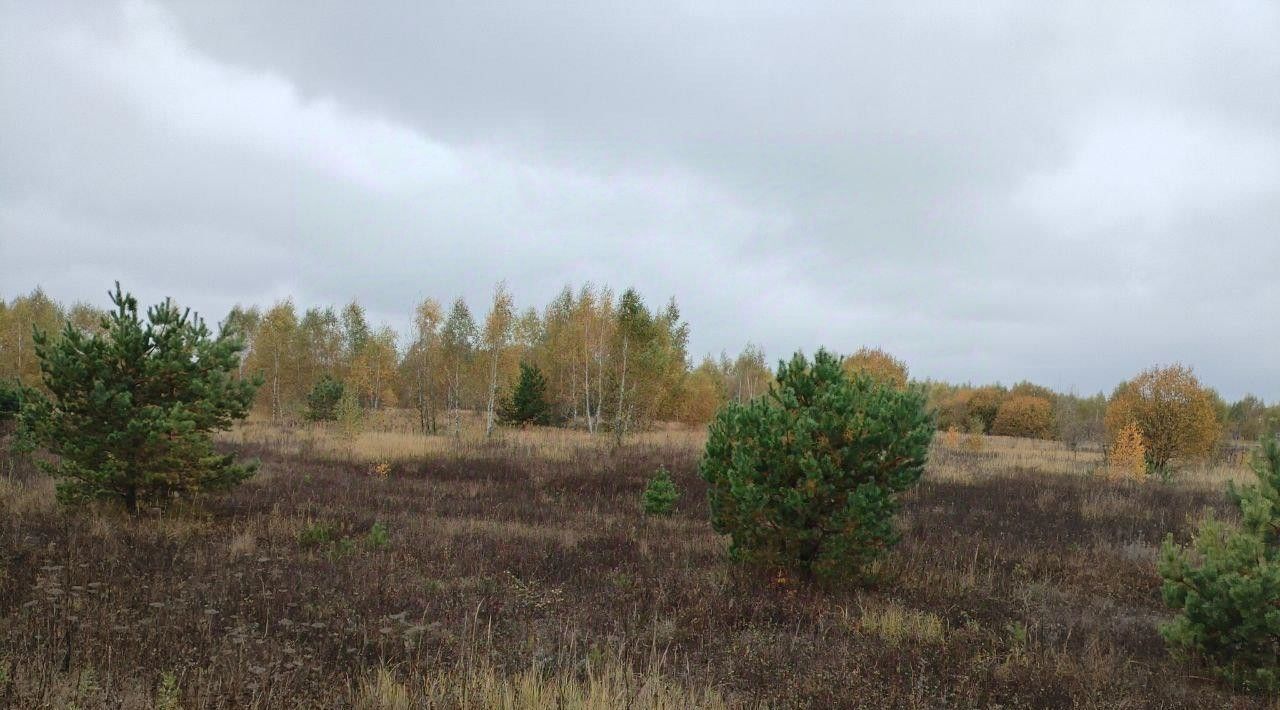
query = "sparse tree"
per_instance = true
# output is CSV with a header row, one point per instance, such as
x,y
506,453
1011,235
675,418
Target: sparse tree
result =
x,y
808,477
130,409
423,354
276,357
498,327
458,339
18,322
528,401
322,402
1176,414
372,368
703,394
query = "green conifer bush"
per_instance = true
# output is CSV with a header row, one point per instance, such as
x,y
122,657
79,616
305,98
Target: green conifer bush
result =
x,y
528,402
130,409
808,477
1227,587
322,401
10,403
660,496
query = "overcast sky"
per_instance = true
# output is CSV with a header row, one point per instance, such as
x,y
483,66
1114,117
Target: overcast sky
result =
x,y
1062,192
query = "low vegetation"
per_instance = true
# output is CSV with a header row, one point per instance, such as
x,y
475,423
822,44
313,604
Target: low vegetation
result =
x,y
660,495
523,567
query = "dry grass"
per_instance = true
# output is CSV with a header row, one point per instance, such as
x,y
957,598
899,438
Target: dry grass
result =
x,y
389,439
479,685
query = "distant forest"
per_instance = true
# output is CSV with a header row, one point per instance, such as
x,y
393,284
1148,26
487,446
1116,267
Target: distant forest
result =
x,y
610,360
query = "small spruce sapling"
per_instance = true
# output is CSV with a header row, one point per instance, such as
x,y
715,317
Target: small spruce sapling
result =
x,y
528,401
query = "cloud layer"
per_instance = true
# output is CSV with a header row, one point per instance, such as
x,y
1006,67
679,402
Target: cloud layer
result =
x,y
992,192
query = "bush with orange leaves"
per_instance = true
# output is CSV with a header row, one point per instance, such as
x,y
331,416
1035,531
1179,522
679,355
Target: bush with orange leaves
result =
x,y
1024,415
1128,457
1174,412
880,365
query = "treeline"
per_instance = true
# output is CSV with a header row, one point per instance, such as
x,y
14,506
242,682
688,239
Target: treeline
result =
x,y
610,361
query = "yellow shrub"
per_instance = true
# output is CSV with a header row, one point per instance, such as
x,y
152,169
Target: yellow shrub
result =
x,y
1174,412
879,364
973,443
1128,457
951,439
1024,415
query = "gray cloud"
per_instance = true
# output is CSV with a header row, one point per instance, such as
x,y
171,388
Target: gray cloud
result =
x,y
992,191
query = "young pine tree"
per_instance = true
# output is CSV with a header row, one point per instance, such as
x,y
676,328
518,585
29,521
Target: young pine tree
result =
x,y
808,476
660,495
1228,592
10,402
131,408
528,401
322,401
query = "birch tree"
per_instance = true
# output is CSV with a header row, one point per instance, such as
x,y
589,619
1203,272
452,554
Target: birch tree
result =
x,y
458,339
427,318
498,327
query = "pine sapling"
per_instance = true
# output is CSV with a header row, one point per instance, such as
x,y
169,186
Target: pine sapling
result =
x,y
1227,588
660,495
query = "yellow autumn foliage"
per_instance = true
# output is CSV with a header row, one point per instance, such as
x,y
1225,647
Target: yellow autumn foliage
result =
x,y
1024,415
1128,457
1174,412
879,364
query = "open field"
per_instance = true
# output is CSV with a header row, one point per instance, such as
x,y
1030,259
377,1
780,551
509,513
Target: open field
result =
x,y
520,573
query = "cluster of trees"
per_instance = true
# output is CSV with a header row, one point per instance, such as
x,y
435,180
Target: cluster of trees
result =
x,y
605,361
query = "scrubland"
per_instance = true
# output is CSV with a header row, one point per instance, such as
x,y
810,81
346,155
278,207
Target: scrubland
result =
x,y
387,569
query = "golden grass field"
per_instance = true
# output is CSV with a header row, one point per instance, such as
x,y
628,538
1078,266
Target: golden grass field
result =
x,y
391,437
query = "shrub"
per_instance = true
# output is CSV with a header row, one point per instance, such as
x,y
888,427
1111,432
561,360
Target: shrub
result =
x,y
951,439
317,534
974,443
983,406
1228,593
1128,457
808,476
1177,416
879,365
660,495
131,408
349,415
528,402
1024,415
379,536
10,404
322,402
10,401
